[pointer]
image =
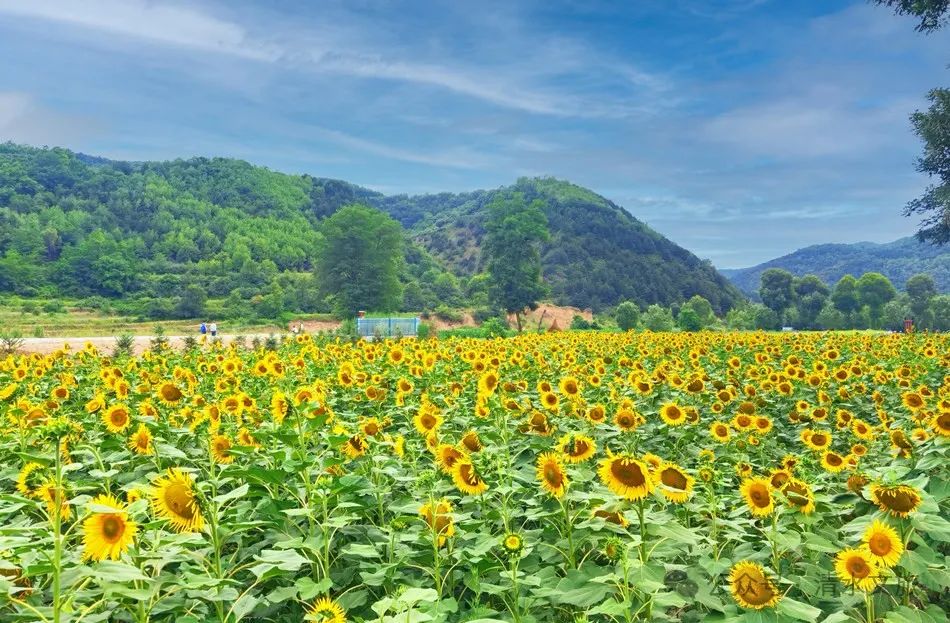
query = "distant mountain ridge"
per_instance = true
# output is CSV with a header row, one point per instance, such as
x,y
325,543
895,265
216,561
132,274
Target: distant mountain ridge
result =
x,y
898,261
82,225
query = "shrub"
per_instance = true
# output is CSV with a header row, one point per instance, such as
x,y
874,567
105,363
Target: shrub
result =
x,y
54,307
448,314
627,316
424,331
124,345
658,318
10,342
494,327
578,323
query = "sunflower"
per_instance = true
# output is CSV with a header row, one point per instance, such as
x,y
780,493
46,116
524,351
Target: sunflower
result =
x,y
898,500
471,442
720,431
597,414
856,483
576,448
141,441
626,476
627,420
438,517
550,401
799,496
912,400
940,423
466,478
550,473
614,517
816,440
371,427
54,496
116,418
856,568
169,393
832,462
883,544
751,587
221,449
446,455
672,414
325,610
355,446
427,419
173,499
25,480
569,386
513,544
758,496
674,483
107,534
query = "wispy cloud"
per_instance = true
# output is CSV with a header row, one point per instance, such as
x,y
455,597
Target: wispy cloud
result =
x,y
462,158
323,51
160,23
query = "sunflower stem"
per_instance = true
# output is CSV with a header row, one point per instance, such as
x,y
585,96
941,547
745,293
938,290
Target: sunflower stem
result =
x,y
569,528
643,532
869,603
773,538
57,537
515,590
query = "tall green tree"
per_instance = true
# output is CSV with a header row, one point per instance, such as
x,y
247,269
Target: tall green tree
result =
x,y
811,293
627,315
514,232
703,309
845,295
920,289
358,260
933,127
874,291
776,290
940,311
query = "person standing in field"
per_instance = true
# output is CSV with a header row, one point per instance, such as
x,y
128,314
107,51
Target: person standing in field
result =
x,y
203,329
214,329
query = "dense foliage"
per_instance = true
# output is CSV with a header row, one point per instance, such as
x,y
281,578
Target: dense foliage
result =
x,y
358,260
870,301
898,261
80,226
153,234
607,478
598,254
514,232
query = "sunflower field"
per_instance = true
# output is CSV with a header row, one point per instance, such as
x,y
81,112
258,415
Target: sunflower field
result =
x,y
549,477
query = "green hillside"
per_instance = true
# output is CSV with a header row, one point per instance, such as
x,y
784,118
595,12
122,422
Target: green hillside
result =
x,y
898,261
83,226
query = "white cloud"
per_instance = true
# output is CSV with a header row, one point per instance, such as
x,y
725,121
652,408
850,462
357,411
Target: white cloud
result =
x,y
461,158
811,127
513,85
161,23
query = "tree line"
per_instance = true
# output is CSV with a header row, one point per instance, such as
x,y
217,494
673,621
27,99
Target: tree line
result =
x,y
867,302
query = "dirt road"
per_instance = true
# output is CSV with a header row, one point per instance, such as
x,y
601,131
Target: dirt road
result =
x,y
106,344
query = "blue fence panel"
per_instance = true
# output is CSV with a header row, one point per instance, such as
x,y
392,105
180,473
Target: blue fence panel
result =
x,y
387,327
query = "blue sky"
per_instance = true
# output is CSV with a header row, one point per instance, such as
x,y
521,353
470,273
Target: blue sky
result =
x,y
741,129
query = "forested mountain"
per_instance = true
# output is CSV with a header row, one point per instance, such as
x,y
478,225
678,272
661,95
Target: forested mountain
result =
x,y
898,261
82,226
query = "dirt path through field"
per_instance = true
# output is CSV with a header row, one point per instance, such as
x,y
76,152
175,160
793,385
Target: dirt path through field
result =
x,y
106,344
